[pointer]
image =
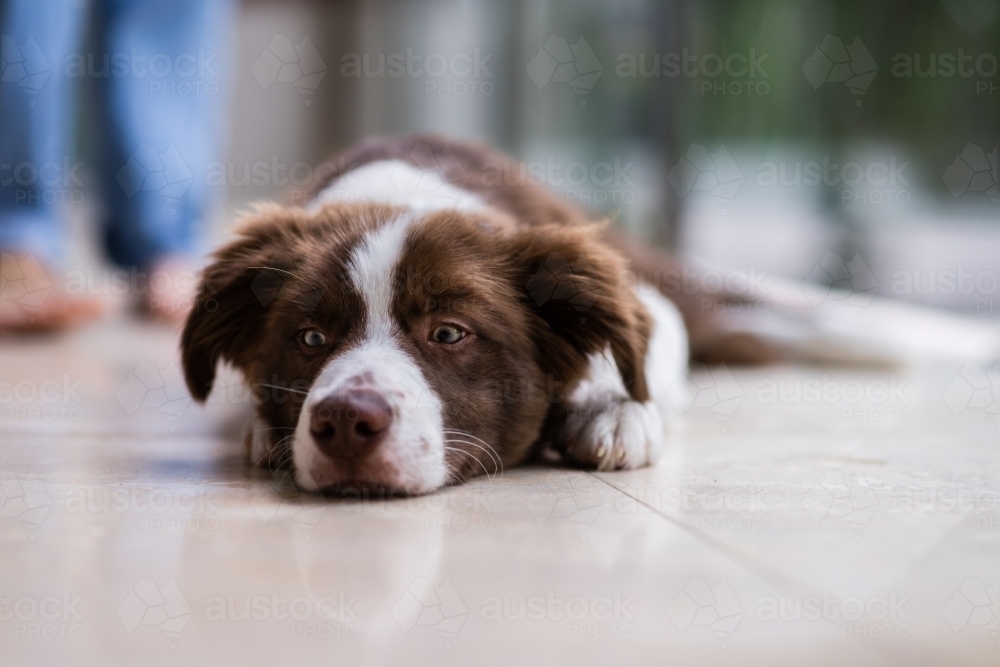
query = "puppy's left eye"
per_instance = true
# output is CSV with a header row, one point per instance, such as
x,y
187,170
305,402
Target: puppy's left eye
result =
x,y
447,335
312,338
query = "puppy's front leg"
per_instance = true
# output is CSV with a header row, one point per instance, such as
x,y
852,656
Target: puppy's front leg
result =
x,y
602,426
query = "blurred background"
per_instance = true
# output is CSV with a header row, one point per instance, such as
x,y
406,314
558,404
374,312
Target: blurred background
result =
x,y
759,136
839,141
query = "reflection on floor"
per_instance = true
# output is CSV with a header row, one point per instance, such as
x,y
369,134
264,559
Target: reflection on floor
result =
x,y
803,516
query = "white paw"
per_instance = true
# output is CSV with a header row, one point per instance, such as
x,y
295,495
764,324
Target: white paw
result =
x,y
612,434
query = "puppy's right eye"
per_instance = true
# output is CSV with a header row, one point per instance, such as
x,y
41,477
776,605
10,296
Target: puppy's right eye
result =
x,y
447,335
312,338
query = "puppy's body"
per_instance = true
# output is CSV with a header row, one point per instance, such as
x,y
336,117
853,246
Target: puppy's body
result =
x,y
430,316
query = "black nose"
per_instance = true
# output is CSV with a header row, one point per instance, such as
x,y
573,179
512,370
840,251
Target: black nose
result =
x,y
347,427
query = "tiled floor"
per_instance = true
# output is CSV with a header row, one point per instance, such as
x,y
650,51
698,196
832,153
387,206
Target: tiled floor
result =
x,y
854,522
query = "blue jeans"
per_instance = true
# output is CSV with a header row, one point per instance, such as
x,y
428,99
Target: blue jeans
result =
x,y
160,70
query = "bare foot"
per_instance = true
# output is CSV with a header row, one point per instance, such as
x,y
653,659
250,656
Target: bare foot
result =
x,y
32,301
173,285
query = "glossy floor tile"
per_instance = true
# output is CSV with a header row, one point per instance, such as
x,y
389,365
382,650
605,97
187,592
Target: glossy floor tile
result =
x,y
801,516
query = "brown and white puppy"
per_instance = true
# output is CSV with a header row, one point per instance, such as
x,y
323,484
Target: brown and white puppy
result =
x,y
430,316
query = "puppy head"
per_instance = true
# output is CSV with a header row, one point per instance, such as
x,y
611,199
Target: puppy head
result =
x,y
402,351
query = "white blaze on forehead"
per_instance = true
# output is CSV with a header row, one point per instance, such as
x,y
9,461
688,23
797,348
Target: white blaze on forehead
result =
x,y
412,455
372,270
398,183
413,451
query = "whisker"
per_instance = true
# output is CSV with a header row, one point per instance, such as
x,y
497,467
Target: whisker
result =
x,y
466,434
466,442
283,460
274,268
266,454
474,458
289,389
266,459
495,467
270,428
490,451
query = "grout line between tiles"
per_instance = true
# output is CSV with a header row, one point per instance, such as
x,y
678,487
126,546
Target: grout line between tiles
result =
x,y
754,565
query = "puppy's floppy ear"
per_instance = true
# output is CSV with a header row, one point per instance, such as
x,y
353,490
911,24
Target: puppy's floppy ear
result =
x,y
577,288
226,319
